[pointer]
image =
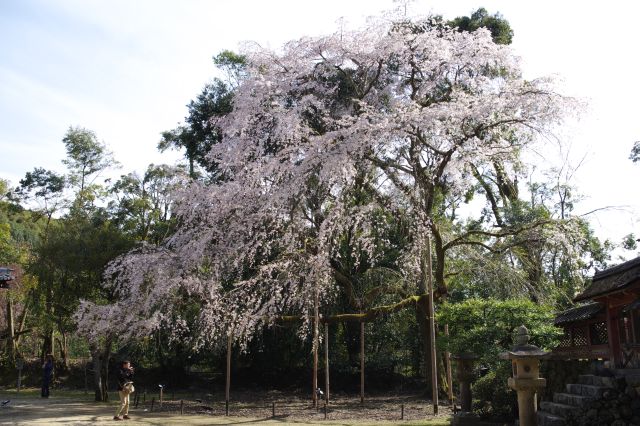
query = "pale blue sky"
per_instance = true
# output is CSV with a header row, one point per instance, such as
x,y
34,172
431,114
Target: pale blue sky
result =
x,y
126,69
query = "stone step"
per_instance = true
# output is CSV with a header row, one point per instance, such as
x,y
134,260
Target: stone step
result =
x,y
558,409
633,380
586,390
547,419
623,371
573,400
631,375
593,380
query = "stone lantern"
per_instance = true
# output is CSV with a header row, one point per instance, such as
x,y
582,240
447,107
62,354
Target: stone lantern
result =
x,y
526,380
464,374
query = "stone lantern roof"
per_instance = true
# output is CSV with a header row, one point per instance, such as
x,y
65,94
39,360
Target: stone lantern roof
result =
x,y
522,348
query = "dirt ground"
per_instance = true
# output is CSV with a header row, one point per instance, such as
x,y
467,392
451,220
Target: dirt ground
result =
x,y
73,409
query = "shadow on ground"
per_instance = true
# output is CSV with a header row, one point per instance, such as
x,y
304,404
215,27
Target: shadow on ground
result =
x,y
61,410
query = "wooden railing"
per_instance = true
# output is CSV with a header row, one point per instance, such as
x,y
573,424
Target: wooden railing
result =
x,y
581,352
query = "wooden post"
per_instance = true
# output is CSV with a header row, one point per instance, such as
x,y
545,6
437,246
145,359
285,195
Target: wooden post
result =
x,y
401,411
181,407
326,362
152,401
144,396
613,334
273,409
432,328
161,391
315,349
228,380
325,410
361,362
447,356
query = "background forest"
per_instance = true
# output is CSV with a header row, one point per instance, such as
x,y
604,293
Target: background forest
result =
x,y
508,250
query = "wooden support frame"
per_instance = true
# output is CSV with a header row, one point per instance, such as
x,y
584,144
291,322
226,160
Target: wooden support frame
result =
x,y
316,320
362,363
227,386
326,363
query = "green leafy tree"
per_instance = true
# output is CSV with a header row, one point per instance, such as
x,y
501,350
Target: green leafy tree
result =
x,y
46,188
630,242
5,192
499,27
74,255
142,206
8,250
485,328
18,233
86,157
199,133
635,152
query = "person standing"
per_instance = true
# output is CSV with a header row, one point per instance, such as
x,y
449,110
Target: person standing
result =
x,y
47,374
125,382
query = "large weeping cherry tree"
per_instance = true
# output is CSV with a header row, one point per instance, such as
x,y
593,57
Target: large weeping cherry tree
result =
x,y
410,106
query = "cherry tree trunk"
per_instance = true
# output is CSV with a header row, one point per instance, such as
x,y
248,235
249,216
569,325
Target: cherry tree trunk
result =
x,y
432,328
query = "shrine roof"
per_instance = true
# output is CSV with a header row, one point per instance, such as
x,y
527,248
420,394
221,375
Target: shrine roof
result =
x,y
612,279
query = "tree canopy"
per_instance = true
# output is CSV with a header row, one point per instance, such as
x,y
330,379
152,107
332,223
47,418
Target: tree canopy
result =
x,y
408,109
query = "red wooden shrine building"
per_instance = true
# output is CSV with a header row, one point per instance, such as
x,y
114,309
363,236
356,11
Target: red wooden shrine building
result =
x,y
607,326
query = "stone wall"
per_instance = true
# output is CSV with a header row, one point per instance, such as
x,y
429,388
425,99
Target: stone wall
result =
x,y
618,406
558,373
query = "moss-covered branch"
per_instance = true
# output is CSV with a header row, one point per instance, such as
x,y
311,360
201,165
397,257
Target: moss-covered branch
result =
x,y
368,316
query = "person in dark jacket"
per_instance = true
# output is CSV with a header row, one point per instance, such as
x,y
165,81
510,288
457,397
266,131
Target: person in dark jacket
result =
x,y
47,374
125,378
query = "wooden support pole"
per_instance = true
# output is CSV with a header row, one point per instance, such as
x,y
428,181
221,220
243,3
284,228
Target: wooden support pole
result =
x,y
362,362
273,409
325,411
326,362
181,407
447,357
401,411
432,328
153,400
315,349
228,378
